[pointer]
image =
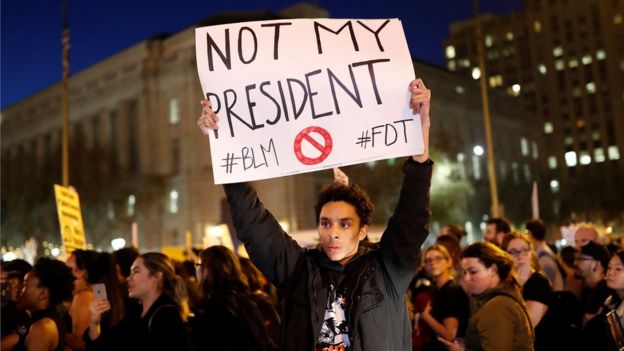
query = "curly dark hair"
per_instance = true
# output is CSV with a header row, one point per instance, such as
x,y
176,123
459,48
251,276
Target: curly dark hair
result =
x,y
56,277
349,193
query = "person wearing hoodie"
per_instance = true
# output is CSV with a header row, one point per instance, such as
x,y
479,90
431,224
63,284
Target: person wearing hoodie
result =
x,y
344,295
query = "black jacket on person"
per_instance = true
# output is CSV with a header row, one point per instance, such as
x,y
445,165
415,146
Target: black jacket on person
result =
x,y
161,328
374,281
229,321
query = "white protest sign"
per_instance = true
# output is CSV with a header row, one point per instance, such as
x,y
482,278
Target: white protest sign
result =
x,y
302,95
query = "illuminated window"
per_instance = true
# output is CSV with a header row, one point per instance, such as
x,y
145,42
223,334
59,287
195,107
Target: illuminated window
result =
x,y
573,63
617,19
591,87
534,150
587,59
599,155
554,186
476,167
509,36
524,146
560,64
537,26
552,162
460,90
558,51
131,203
515,89
595,135
576,91
584,158
568,140
451,65
570,158
542,68
527,172
614,153
496,81
514,171
476,73
174,111
173,201
489,41
465,63
601,54
548,128
450,52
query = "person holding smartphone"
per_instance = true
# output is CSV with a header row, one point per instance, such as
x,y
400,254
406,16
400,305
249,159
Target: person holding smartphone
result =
x,y
158,325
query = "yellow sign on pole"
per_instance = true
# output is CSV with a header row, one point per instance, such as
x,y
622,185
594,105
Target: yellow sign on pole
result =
x,y
70,218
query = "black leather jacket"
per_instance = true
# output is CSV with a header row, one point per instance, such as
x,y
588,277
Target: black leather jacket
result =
x,y
375,281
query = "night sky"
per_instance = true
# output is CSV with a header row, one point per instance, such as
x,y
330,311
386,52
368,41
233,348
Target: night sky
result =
x,y
31,29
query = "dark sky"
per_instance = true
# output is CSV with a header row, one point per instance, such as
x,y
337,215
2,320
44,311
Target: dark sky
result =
x,y
31,29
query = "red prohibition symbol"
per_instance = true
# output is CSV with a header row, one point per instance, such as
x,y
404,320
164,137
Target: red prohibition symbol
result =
x,y
324,149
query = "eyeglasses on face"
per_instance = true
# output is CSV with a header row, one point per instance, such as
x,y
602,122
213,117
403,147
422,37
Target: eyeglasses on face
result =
x,y
518,252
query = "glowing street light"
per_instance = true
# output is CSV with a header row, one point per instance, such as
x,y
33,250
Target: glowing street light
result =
x,y
118,243
478,150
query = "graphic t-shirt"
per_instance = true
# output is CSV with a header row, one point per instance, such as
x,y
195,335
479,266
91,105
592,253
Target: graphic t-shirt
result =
x,y
335,329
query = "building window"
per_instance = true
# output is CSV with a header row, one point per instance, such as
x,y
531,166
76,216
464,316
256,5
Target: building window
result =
x,y
587,59
573,63
450,52
527,172
524,146
552,162
174,111
591,87
599,155
509,36
601,54
584,158
542,68
537,26
557,51
476,73
173,201
451,65
175,157
514,171
570,158
496,81
554,186
548,128
515,89
460,90
489,41
614,153
476,167
131,203
617,19
560,64
534,150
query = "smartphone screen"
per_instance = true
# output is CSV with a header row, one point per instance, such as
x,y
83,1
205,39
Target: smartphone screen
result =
x,y
99,291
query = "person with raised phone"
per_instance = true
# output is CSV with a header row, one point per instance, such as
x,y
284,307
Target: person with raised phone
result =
x,y
343,295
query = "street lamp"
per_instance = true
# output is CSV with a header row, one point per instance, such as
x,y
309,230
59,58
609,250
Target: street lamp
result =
x,y
118,243
478,150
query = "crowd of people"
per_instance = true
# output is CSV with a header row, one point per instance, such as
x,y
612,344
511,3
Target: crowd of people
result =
x,y
513,291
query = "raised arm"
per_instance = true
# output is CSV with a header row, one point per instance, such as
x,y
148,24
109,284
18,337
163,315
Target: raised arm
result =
x,y
269,247
409,226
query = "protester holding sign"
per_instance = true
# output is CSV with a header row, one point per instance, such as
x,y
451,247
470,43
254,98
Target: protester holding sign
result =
x,y
342,296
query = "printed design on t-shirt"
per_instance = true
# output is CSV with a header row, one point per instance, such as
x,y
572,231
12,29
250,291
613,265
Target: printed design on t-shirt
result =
x,y
335,329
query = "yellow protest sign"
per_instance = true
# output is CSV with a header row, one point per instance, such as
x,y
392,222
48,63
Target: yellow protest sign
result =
x,y
70,218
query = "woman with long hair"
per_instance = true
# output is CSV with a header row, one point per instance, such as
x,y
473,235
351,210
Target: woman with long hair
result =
x,y
448,311
158,325
228,317
84,266
535,286
501,321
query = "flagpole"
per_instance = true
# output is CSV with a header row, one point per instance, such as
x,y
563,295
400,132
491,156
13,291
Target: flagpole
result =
x,y
65,95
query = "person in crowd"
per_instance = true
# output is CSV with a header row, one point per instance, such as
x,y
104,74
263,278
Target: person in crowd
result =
x,y
262,295
548,259
573,282
615,302
342,295
45,288
454,249
454,230
501,321
84,266
158,325
495,230
229,318
124,258
591,265
447,313
15,320
585,234
535,286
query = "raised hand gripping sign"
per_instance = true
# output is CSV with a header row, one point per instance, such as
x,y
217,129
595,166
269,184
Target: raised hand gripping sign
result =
x,y
302,95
